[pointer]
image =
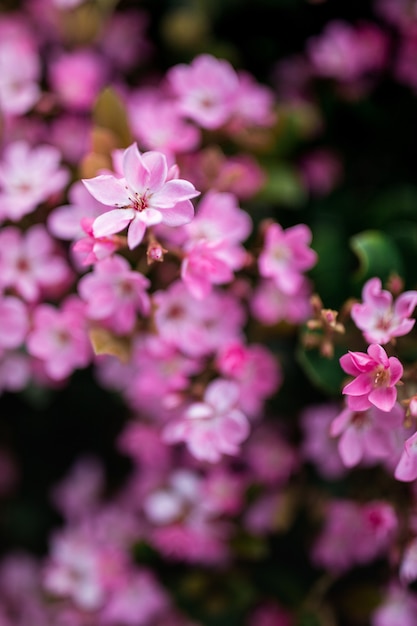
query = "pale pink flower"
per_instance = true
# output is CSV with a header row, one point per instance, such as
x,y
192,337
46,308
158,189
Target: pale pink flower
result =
x,y
369,435
81,568
206,90
256,371
197,327
271,458
20,70
123,39
205,264
214,426
270,305
354,534
76,78
223,492
381,319
158,125
286,254
32,264
144,197
115,294
77,494
254,104
28,177
376,375
59,338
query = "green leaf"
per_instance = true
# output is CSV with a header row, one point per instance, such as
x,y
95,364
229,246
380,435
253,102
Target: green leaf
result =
x,y
283,186
378,255
324,373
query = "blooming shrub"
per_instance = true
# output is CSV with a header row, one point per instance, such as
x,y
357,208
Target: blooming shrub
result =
x,y
208,364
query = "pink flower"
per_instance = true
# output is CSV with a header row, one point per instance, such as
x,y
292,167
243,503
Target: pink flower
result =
x,y
14,322
376,376
31,263
206,90
270,305
408,565
145,196
59,338
28,177
93,249
380,319
115,294
398,606
286,255
368,435
212,427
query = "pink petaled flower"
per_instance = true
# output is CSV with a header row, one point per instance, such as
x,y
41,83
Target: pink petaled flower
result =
x,y
115,294
159,126
20,69
76,78
406,469
31,264
93,249
380,319
212,427
206,90
286,255
59,338
205,264
28,177
145,196
270,305
376,376
255,369
368,435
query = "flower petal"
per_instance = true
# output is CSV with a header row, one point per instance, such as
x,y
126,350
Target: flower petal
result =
x,y
174,191
134,169
108,190
383,398
135,233
112,222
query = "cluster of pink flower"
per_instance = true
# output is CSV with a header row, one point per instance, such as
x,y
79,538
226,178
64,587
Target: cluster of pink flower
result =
x,y
144,265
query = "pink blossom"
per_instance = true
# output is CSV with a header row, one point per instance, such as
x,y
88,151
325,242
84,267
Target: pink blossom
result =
x,y
115,294
254,104
270,305
206,90
376,375
223,491
369,435
256,370
77,494
76,78
144,197
354,534
158,125
59,338
20,69
286,255
204,265
271,458
81,568
124,40
214,426
32,264
378,317
28,177
196,327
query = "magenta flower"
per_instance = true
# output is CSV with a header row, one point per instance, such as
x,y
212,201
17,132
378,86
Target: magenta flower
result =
x,y
378,318
143,196
376,375
286,255
406,470
213,427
